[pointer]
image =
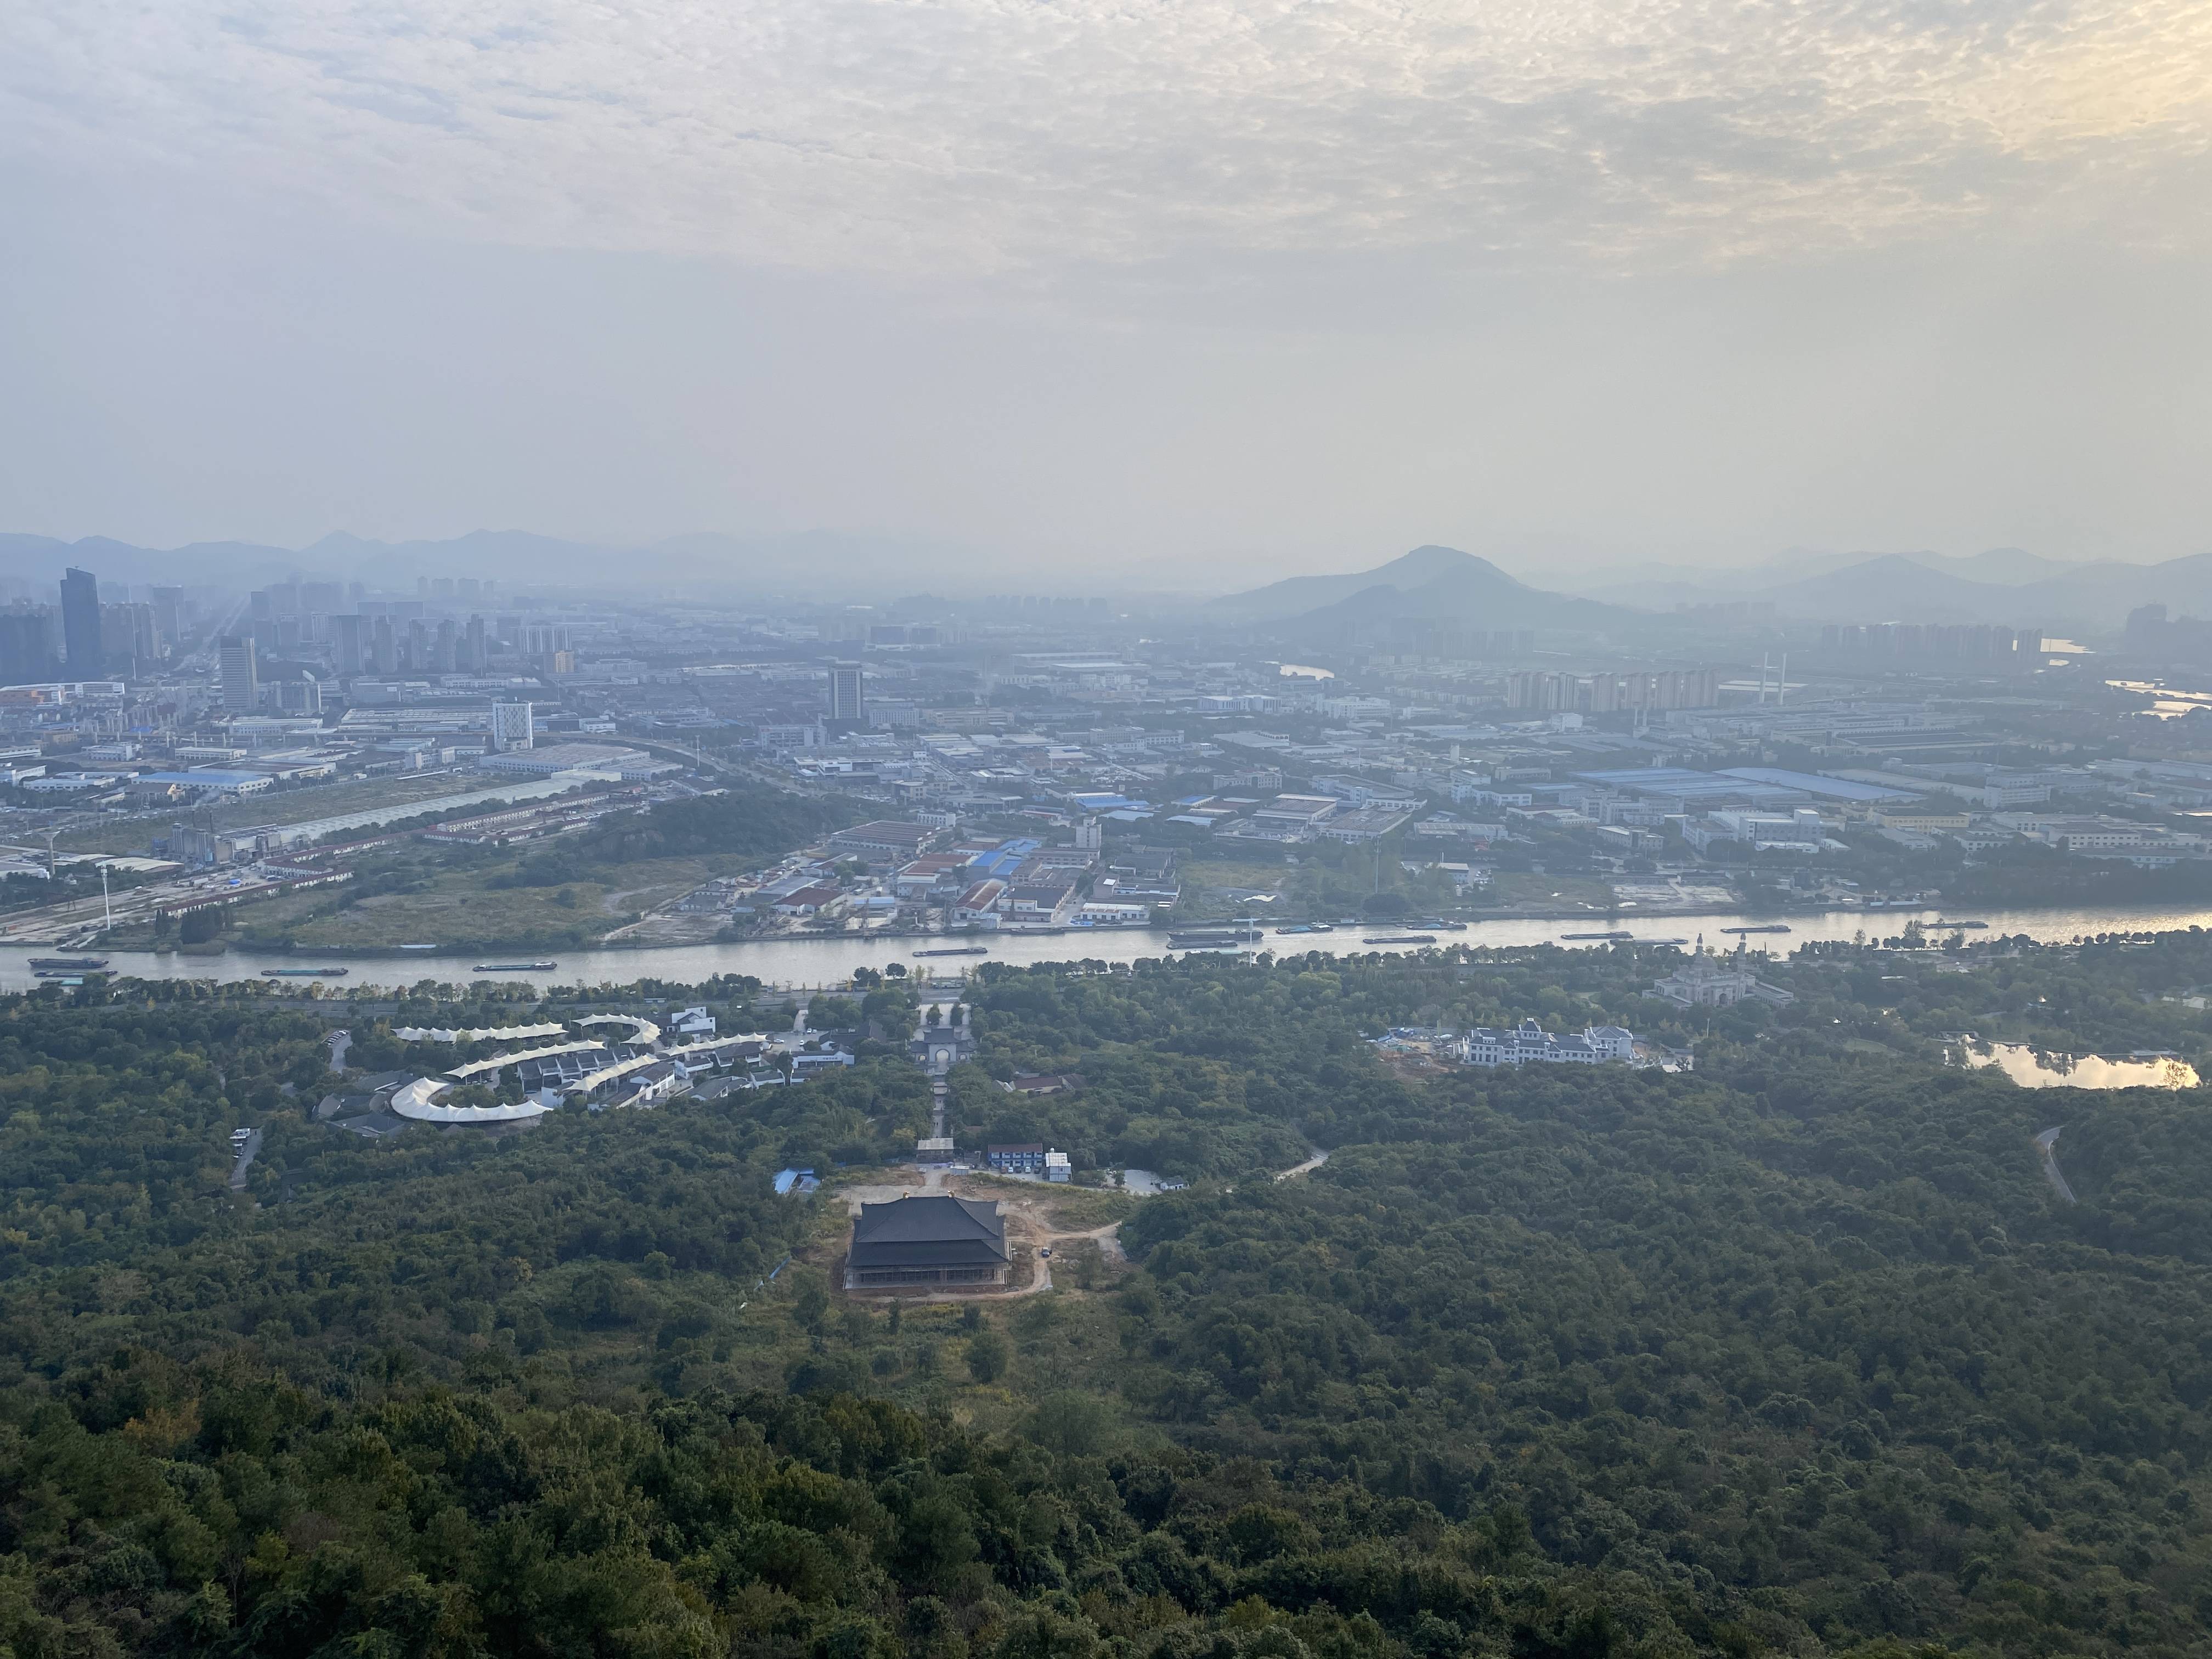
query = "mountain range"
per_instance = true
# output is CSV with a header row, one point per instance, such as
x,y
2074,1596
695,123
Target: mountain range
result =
x,y
1900,587
2005,586
793,563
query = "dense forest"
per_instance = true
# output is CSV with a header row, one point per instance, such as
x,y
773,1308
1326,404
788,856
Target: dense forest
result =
x,y
1797,1351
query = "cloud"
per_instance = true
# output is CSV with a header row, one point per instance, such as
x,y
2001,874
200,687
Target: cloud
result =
x,y
960,136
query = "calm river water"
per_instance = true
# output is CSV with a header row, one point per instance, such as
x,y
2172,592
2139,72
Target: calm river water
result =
x,y
831,961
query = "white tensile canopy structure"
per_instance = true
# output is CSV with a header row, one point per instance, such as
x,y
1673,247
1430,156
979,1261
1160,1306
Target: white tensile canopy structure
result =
x,y
414,1101
642,1031
481,1034
494,1062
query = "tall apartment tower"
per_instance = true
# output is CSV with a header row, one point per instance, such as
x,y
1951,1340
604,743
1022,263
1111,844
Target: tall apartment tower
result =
x,y
26,652
511,727
236,674
169,617
346,642
848,695
81,622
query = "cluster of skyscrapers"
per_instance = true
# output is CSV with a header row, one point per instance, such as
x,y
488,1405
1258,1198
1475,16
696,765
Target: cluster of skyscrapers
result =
x,y
80,638
1936,643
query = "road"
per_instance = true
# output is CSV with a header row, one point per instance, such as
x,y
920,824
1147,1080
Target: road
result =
x,y
725,767
2047,1143
339,1041
246,1154
1311,1164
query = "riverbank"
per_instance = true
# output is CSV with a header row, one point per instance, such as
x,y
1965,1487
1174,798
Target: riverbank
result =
x,y
831,960
1270,935
1454,927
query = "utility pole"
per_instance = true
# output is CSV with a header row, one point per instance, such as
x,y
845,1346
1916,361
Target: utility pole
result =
x,y
106,910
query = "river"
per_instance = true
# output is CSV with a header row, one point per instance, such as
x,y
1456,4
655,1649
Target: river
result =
x,y
830,961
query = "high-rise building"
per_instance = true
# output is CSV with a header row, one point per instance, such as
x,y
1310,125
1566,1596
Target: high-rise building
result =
x,y
145,638
117,643
847,694
168,617
80,623
511,727
237,675
385,654
479,646
27,645
346,642
540,641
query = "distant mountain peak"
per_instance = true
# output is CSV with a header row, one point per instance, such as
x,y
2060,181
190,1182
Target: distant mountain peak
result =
x,y
1295,595
1431,582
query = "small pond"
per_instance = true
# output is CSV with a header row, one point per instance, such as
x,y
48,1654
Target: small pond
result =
x,y
2040,1069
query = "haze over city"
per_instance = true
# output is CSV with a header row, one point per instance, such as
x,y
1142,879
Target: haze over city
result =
x,y
1169,302
1066,830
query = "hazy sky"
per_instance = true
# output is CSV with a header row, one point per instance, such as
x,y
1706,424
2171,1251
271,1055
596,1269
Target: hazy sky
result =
x,y
1290,285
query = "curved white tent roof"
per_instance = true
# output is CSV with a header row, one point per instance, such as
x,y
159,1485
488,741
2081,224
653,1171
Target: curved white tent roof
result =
x,y
643,1030
584,1084
413,1101
493,1062
481,1034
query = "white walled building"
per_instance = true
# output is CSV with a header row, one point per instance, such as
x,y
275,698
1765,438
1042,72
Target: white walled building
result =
x,y
511,727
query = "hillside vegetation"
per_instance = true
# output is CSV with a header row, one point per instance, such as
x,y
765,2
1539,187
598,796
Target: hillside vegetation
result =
x,y
1798,1352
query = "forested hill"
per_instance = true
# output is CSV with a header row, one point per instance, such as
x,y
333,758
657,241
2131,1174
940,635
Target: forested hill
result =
x,y
1796,1352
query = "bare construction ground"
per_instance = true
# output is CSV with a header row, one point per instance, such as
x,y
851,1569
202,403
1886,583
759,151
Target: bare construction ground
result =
x,y
1039,1216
